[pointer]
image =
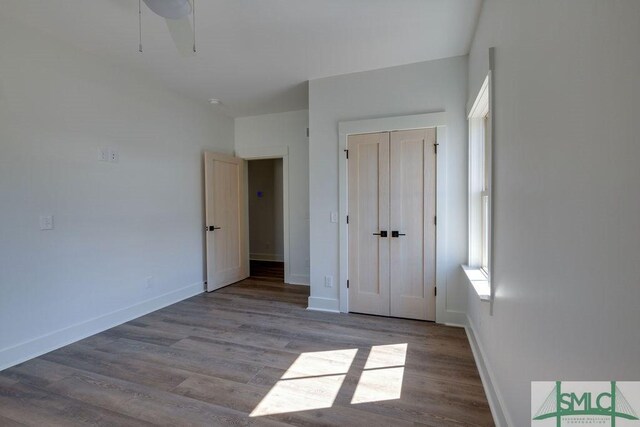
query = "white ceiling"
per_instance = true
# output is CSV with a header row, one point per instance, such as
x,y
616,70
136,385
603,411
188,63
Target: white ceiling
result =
x,y
257,55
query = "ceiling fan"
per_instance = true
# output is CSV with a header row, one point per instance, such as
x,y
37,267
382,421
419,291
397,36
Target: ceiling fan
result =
x,y
176,14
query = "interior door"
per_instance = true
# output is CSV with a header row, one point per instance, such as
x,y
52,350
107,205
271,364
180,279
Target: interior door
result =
x,y
368,223
225,227
413,210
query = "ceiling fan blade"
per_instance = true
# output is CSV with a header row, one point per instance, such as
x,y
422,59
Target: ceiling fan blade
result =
x,y
182,34
171,9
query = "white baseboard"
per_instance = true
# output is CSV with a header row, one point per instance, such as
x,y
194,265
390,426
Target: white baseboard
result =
x,y
38,346
266,257
500,414
454,325
298,279
322,309
454,318
324,304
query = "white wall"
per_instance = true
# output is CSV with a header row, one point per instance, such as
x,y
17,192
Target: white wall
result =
x,y
411,89
567,202
116,224
266,237
286,130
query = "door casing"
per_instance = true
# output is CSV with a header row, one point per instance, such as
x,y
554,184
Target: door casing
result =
x,y
389,124
263,153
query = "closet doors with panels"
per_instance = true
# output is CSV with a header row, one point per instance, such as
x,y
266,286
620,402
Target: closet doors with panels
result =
x,y
392,207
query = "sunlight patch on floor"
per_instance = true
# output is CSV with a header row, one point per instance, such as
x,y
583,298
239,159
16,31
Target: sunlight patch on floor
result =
x,y
311,382
318,363
314,379
383,374
302,394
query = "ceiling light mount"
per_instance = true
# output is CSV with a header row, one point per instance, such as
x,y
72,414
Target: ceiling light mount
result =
x,y
214,101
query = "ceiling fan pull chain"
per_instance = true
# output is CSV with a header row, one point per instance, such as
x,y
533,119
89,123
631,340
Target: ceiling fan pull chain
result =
x,y
140,25
193,11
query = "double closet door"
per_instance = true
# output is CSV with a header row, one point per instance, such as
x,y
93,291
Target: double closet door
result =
x,y
392,224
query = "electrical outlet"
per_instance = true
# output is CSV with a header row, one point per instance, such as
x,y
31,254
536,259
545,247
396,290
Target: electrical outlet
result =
x,y
149,282
114,157
104,154
328,282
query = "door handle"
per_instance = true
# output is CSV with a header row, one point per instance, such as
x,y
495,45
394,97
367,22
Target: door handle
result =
x,y
396,233
212,228
382,233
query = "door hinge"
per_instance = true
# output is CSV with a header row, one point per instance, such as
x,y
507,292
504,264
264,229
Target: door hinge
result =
x,y
435,220
347,153
435,148
435,291
307,132
347,283
347,219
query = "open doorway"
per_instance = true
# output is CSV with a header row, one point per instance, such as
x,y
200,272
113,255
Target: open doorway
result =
x,y
266,218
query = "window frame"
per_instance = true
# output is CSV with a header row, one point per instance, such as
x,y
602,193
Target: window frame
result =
x,y
485,199
480,198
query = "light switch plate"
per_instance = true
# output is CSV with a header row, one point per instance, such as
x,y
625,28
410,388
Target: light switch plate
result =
x,y
334,216
46,222
328,281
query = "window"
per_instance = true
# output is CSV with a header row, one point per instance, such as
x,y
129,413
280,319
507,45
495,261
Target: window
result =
x,y
484,263
479,268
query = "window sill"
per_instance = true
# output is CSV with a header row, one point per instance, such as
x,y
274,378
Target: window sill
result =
x,y
478,279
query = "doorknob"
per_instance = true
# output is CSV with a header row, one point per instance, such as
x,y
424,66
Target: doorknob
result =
x,y
382,233
396,233
212,228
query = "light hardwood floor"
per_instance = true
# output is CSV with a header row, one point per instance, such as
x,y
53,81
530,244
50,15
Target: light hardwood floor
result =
x,y
252,354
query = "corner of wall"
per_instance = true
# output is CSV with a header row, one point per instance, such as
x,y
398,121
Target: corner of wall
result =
x,y
299,279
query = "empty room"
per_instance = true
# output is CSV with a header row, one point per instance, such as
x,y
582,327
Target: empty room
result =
x,y
320,213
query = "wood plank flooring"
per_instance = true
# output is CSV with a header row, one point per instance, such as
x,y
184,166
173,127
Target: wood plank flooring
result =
x,y
267,270
251,354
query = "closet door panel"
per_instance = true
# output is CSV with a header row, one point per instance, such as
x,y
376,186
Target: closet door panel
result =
x,y
368,200
412,214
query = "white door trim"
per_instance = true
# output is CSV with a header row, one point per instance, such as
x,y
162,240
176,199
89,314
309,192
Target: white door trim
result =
x,y
262,153
388,124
